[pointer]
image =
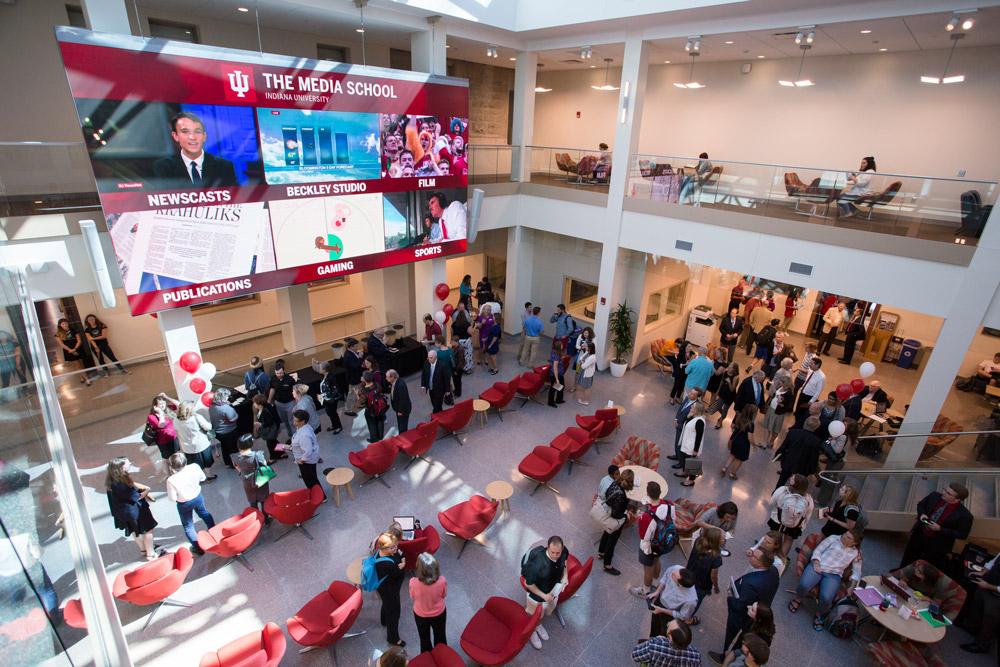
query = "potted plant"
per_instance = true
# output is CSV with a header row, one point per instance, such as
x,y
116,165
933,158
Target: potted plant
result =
x,y
620,328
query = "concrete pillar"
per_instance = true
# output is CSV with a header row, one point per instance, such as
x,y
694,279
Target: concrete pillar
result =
x,y
525,72
107,16
428,52
296,317
613,278
426,276
520,258
179,336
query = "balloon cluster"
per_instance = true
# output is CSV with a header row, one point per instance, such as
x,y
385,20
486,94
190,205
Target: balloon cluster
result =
x,y
441,292
846,390
201,382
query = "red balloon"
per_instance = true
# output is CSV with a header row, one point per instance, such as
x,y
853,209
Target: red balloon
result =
x,y
442,291
448,309
843,391
190,362
197,385
857,385
206,398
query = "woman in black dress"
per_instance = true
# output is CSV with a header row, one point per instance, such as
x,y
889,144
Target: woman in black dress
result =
x,y
740,441
704,563
70,341
727,391
97,336
129,504
678,362
719,367
390,573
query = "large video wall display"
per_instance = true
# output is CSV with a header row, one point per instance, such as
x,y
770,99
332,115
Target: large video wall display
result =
x,y
224,173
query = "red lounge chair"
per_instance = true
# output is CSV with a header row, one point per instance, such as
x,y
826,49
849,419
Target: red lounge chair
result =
x,y
469,519
294,508
234,536
542,464
501,394
265,648
455,418
531,384
73,614
375,459
607,417
576,574
578,442
417,441
441,655
427,542
154,582
498,631
325,619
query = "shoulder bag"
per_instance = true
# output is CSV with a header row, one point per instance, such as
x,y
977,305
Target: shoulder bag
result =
x,y
265,474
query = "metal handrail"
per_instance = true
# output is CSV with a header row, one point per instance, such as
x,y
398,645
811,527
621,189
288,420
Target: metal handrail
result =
x,y
925,435
906,471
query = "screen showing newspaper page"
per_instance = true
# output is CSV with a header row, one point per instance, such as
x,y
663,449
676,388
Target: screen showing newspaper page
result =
x,y
223,172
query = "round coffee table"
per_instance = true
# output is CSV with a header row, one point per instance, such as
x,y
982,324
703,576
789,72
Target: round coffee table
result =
x,y
480,406
642,476
501,491
914,629
339,477
354,571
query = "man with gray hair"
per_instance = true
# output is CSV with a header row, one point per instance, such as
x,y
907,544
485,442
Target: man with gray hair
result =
x,y
699,369
399,399
434,378
799,453
377,348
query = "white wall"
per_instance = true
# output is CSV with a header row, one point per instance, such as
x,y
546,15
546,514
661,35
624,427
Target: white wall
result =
x,y
861,105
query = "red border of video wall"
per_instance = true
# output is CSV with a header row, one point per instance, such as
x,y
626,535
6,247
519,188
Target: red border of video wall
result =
x,y
225,173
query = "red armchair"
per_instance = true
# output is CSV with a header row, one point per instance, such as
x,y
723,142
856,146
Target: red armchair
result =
x,y
576,574
428,541
455,418
467,520
531,384
501,394
154,582
543,371
375,459
904,654
542,464
73,614
608,420
417,441
325,619
498,631
260,649
578,442
234,536
441,655
294,508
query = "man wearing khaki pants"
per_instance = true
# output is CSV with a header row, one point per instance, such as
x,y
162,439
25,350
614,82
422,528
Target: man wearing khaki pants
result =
x,y
532,330
525,314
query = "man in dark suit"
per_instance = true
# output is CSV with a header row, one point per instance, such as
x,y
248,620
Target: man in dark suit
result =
x,y
758,585
941,519
378,349
750,392
800,451
693,396
192,167
731,327
874,392
983,619
353,366
434,378
399,399
855,332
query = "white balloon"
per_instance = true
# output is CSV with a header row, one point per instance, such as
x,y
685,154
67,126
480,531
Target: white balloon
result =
x,y
207,371
440,317
836,428
867,369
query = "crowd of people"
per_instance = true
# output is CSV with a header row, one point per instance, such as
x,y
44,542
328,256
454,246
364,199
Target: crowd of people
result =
x,y
423,146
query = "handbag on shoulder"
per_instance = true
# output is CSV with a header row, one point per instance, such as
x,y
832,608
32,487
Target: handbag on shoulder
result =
x,y
265,474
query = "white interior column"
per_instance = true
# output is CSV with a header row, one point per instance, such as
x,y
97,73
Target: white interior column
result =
x,y
426,276
179,336
612,280
972,299
520,258
296,317
107,16
522,128
428,52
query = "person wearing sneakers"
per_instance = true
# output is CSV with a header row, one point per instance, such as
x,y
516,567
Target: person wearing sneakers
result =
x,y
545,575
650,562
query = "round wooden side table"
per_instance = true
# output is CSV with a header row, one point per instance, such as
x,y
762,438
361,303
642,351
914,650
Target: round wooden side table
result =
x,y
501,491
480,406
339,477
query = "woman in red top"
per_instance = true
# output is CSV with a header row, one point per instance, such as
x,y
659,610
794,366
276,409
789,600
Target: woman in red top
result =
x,y
791,306
160,419
428,590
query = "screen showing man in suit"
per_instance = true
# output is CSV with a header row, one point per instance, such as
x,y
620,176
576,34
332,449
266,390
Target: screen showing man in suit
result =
x,y
192,167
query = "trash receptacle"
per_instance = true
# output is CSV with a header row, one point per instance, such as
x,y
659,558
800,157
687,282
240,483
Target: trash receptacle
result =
x,y
908,352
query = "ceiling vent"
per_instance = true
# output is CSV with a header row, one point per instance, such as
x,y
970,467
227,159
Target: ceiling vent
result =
x,y
572,61
784,36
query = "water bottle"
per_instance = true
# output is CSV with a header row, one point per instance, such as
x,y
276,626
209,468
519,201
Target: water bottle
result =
x,y
885,603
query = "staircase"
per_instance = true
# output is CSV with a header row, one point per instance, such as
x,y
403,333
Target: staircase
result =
x,y
890,497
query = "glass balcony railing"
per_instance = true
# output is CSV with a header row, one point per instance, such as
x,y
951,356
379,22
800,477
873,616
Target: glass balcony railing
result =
x,y
492,164
570,167
935,209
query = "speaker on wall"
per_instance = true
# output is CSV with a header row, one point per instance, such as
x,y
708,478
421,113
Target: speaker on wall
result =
x,y
96,254
475,210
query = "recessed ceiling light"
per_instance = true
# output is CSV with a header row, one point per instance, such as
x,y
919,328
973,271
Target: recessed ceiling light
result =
x,y
760,56
729,42
666,62
512,59
883,49
242,9
447,46
865,32
593,66
359,30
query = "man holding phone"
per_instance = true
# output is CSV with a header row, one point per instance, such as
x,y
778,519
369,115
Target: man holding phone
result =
x,y
941,519
984,610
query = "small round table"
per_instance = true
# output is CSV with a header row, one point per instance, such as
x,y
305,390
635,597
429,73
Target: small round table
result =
x,y
339,477
914,629
501,491
621,413
642,477
481,406
354,571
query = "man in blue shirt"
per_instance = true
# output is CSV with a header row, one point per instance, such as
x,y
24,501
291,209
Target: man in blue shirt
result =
x,y
564,324
699,370
532,330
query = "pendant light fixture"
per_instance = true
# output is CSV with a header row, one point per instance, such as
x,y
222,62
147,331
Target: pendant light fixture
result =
x,y
606,86
539,88
691,82
944,77
799,81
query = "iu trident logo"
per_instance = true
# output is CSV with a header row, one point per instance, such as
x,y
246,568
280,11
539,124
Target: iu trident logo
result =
x,y
238,83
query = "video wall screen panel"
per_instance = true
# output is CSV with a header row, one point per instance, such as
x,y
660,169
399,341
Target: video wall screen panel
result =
x,y
224,173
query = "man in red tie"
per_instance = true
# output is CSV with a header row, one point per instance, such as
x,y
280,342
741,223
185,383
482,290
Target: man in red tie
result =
x,y
941,519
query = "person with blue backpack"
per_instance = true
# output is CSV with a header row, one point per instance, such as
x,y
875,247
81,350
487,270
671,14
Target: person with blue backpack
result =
x,y
383,572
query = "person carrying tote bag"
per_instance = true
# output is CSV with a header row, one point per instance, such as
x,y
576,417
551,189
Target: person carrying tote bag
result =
x,y
616,505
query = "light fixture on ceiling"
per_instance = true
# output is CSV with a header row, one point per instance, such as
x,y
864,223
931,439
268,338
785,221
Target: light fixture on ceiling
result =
x,y
799,81
944,78
729,42
541,89
693,43
607,68
952,24
491,51
691,82
361,30
242,9
586,53
512,59
866,31
806,33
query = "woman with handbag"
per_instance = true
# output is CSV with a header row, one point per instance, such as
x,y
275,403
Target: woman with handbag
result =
x,y
250,463
612,514
740,441
779,403
266,425
192,434
129,501
159,429
692,436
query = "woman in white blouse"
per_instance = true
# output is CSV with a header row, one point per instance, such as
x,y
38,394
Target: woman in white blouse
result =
x,y
585,376
858,185
192,434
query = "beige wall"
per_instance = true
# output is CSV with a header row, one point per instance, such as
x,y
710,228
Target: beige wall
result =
x,y
489,100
